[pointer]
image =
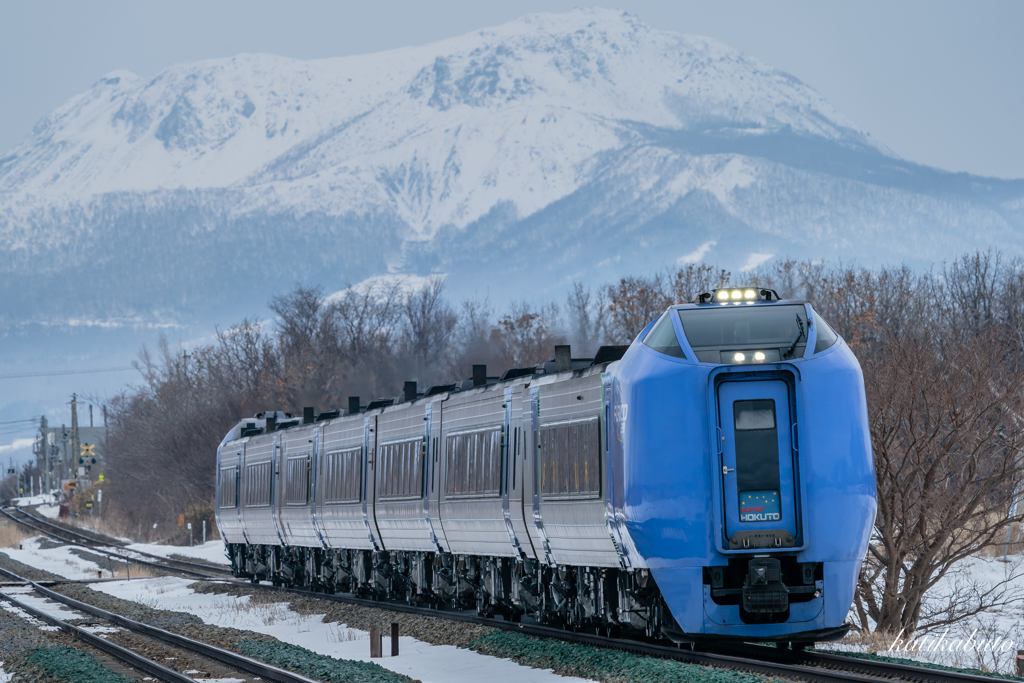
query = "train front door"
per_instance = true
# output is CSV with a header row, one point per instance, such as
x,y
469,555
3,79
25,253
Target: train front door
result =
x,y
757,464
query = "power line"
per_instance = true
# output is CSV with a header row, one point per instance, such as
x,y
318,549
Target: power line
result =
x,y
23,375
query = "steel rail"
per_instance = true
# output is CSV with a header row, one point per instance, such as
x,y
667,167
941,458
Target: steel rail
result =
x,y
722,661
195,569
806,665
127,656
118,544
226,657
869,666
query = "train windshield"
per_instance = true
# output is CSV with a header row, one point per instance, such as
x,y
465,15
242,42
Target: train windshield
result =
x,y
726,334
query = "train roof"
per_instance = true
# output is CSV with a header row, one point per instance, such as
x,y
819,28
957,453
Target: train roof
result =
x,y
577,366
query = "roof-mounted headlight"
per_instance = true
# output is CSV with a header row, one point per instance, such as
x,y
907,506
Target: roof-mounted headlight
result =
x,y
737,295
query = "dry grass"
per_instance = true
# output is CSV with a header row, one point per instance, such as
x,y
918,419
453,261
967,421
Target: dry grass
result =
x,y
871,642
139,571
11,535
1016,543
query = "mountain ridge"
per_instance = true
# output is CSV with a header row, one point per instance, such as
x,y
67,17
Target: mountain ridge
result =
x,y
581,145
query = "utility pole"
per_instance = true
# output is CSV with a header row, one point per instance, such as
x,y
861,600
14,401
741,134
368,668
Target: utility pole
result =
x,y
45,437
90,415
75,447
64,457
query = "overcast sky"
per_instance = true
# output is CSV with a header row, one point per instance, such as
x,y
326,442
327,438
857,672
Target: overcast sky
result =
x,y
940,83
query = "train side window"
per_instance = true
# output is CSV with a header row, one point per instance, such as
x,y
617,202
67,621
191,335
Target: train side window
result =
x,y
662,338
297,484
401,469
228,487
257,484
570,459
473,464
343,472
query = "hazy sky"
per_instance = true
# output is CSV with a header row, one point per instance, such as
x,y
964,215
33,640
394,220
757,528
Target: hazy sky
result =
x,y
941,83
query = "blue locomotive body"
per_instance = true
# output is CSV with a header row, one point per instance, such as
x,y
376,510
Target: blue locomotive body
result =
x,y
713,480
690,522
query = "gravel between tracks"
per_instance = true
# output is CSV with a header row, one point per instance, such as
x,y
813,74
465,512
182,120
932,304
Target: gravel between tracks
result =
x,y
431,630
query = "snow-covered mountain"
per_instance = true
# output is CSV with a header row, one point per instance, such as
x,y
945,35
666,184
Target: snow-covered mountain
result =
x,y
517,158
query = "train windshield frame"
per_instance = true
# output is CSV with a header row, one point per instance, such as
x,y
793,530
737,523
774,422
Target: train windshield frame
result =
x,y
714,333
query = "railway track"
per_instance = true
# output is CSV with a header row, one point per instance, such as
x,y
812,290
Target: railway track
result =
x,y
814,666
103,546
820,667
225,658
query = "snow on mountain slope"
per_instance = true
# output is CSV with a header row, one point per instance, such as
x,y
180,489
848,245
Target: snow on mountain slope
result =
x,y
525,103
591,130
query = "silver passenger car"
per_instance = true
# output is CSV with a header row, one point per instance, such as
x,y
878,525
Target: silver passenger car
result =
x,y
487,491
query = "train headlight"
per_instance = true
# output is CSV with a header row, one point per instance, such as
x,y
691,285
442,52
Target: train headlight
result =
x,y
737,295
740,357
759,355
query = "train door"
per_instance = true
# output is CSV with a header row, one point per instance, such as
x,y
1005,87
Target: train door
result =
x,y
757,462
369,480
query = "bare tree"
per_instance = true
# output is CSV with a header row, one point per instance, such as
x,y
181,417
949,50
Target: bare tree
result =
x,y
634,302
428,325
527,336
694,279
586,313
947,427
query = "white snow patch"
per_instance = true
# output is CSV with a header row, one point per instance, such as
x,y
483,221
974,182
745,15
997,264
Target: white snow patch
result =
x,y
56,610
25,595
49,511
419,660
38,499
404,282
697,254
734,175
60,561
4,676
1004,626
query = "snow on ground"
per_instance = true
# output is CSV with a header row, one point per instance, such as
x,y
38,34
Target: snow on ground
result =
x,y
50,512
419,660
25,595
28,501
4,676
989,640
211,551
60,560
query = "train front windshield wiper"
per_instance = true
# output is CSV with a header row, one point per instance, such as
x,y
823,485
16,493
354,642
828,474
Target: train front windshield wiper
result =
x,y
799,336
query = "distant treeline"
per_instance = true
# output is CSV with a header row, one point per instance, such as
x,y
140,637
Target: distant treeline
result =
x,y
941,353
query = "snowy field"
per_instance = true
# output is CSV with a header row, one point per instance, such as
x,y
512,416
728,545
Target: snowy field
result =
x,y
60,561
989,640
419,660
